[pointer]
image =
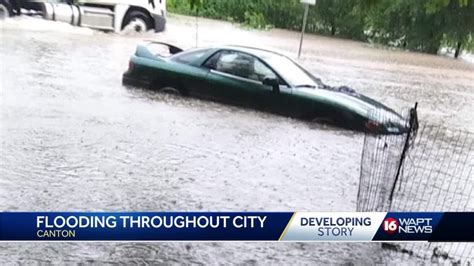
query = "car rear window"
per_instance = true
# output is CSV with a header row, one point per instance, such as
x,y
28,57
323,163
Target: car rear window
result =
x,y
188,57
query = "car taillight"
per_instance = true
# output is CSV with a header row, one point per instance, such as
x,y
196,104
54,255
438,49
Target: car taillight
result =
x,y
130,65
372,126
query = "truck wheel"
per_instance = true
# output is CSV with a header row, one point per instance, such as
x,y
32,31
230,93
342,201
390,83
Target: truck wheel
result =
x,y
6,9
137,21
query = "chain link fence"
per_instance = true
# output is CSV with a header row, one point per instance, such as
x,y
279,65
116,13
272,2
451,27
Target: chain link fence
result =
x,y
427,169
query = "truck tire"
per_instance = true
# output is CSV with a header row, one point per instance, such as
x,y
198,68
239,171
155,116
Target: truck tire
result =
x,y
137,21
6,9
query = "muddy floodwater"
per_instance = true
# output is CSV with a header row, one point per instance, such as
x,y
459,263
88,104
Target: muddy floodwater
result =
x,y
74,139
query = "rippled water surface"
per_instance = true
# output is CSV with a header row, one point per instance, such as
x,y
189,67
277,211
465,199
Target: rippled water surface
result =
x,y
74,139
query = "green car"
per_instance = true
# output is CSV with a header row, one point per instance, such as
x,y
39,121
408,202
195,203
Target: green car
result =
x,y
258,79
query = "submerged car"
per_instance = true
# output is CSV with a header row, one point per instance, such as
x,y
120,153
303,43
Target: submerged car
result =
x,y
259,79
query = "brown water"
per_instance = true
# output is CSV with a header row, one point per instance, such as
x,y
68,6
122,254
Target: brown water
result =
x,y
74,139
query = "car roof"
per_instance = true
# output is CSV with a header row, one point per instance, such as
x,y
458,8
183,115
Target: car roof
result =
x,y
259,52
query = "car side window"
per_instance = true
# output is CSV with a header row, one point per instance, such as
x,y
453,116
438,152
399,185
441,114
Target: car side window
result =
x,y
239,64
262,71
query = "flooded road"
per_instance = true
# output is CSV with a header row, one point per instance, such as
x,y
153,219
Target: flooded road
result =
x,y
74,139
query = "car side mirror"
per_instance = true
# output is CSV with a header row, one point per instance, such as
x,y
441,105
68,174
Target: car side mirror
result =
x,y
273,82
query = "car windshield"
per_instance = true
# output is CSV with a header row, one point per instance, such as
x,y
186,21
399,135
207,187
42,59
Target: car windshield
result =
x,y
290,71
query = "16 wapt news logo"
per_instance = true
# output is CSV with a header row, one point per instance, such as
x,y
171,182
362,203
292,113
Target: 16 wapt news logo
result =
x,y
407,225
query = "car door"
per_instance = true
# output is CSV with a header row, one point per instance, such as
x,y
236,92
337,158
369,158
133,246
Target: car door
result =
x,y
191,77
232,78
278,101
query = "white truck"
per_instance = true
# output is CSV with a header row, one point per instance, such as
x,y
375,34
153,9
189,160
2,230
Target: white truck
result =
x,y
108,15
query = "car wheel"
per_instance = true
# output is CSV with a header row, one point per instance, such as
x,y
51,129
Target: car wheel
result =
x,y
170,90
323,120
137,21
5,10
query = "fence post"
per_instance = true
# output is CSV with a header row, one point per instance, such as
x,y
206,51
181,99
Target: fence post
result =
x,y
413,127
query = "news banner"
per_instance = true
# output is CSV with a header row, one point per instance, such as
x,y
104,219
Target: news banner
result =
x,y
237,226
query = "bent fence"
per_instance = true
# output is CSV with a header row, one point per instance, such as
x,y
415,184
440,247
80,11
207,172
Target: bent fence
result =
x,y
427,169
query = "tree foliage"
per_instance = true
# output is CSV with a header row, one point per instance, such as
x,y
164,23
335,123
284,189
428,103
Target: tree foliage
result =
x,y
419,25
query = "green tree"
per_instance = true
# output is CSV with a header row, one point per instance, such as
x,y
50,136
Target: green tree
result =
x,y
419,25
338,18
458,24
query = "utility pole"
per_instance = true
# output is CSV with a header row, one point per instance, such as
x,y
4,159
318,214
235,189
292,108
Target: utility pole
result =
x,y
306,4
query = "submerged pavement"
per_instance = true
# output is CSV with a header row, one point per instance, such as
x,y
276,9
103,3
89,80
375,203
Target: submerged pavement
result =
x,y
74,139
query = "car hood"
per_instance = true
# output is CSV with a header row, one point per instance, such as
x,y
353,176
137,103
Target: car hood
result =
x,y
346,98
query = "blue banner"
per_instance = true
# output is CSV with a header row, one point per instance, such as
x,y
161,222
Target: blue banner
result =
x,y
142,226
236,226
